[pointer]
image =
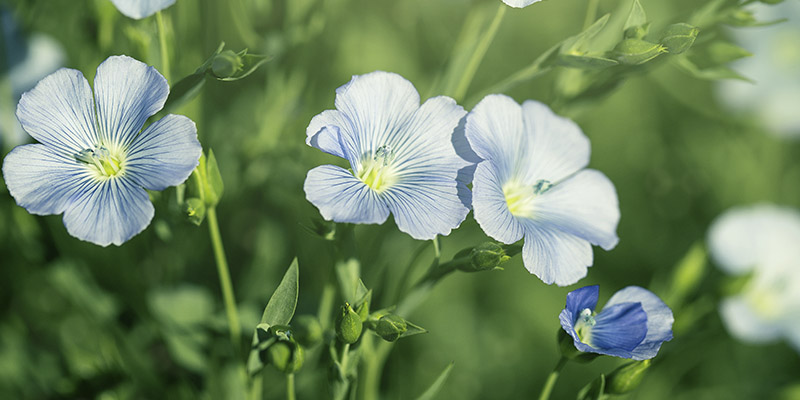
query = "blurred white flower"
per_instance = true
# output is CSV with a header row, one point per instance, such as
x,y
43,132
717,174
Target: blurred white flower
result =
x,y
774,98
763,241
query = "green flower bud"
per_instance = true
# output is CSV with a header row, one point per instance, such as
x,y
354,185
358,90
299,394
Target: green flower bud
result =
x,y
307,330
195,210
226,64
484,257
678,38
390,327
627,377
637,32
348,325
637,51
285,356
741,18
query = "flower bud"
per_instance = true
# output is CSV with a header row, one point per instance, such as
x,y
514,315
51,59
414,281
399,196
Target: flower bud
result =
x,y
348,325
285,356
627,377
485,256
678,38
637,51
307,330
226,64
637,32
566,345
741,18
390,327
195,210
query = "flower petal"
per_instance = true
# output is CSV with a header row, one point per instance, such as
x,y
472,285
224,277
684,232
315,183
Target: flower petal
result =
x,y
620,328
138,9
127,92
109,211
341,197
585,205
745,324
426,206
583,298
491,209
165,154
59,112
659,319
519,3
42,181
555,256
323,133
495,132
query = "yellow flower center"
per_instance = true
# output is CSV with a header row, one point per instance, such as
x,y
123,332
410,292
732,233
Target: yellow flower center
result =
x,y
584,324
106,163
520,197
377,171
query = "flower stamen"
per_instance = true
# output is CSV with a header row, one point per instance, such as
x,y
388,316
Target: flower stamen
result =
x,y
376,172
584,324
103,161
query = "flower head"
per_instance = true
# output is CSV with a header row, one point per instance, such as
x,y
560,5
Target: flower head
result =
x,y
138,9
760,241
633,324
93,162
532,184
520,3
401,158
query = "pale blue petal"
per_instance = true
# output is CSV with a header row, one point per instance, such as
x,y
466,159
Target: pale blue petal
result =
x,y
323,133
42,181
138,9
495,132
491,209
659,319
745,324
59,112
426,206
341,197
555,256
585,205
109,211
520,3
165,154
127,92
619,329
581,299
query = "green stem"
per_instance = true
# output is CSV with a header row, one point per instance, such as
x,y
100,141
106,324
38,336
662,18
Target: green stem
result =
x,y
591,13
344,359
290,387
224,279
162,42
552,378
477,56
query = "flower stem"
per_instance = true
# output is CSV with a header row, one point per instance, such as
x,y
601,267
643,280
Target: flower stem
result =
x,y
162,42
290,387
224,279
552,378
477,56
591,13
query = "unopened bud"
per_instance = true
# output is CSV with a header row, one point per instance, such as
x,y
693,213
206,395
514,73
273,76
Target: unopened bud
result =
x,y
637,51
484,257
627,377
285,356
678,38
390,327
307,330
195,210
226,64
741,18
637,32
348,325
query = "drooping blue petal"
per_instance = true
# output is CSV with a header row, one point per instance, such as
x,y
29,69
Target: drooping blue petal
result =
x,y
520,3
619,328
659,319
583,298
127,92
165,154
138,9
584,205
491,209
108,211
341,197
59,112
555,256
42,181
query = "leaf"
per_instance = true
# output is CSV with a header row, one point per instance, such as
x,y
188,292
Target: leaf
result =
x,y
636,17
214,186
586,61
412,330
576,44
724,52
594,390
250,63
433,390
348,272
711,73
183,91
281,306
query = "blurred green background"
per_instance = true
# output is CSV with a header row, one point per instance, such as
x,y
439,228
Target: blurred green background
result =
x,y
145,320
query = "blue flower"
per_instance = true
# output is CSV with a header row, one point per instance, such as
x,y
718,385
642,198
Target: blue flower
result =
x,y
401,157
633,324
92,163
138,9
532,184
520,3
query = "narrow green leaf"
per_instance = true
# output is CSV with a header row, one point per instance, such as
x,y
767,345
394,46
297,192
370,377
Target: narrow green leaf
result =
x,y
412,330
586,61
724,52
183,91
636,17
214,186
433,390
576,44
281,306
348,272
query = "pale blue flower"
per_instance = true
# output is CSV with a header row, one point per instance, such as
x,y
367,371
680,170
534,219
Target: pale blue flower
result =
x,y
532,184
760,241
633,323
138,9
400,155
520,3
92,162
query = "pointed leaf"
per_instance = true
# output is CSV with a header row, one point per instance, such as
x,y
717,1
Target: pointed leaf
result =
x,y
636,17
412,330
214,186
281,306
433,390
348,272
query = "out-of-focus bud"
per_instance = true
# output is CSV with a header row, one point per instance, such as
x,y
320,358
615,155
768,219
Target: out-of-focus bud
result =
x,y
390,327
771,1
627,377
637,32
741,18
678,38
285,356
195,210
307,330
484,257
348,325
637,51
226,64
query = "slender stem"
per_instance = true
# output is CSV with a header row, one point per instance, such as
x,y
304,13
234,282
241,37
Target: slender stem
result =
x,y
552,378
344,359
290,387
224,279
591,13
437,251
162,42
477,56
